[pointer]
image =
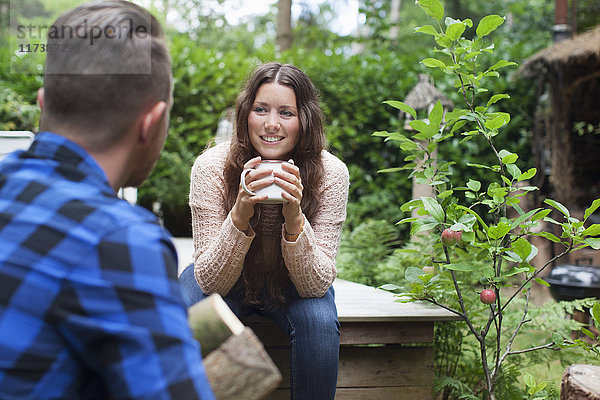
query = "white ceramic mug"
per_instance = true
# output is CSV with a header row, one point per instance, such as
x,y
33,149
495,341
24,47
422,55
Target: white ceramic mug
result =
x,y
273,191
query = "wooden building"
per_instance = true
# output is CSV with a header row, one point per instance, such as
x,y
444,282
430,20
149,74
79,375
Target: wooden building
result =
x,y
568,77
566,137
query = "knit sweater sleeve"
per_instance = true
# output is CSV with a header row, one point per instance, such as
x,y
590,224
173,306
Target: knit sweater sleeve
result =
x,y
219,247
311,258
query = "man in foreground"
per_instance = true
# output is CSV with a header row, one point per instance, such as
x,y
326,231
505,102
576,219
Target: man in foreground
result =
x,y
90,306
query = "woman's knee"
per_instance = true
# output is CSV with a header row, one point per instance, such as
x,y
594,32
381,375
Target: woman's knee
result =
x,y
315,315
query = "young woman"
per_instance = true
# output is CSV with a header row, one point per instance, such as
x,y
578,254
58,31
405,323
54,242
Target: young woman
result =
x,y
277,260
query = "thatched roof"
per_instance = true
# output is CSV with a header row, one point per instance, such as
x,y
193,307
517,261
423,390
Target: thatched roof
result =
x,y
425,94
581,49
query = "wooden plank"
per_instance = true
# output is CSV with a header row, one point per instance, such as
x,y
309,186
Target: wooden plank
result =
x,y
365,366
378,393
360,303
352,333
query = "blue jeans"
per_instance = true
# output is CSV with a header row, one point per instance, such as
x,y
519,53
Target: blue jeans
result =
x,y
313,328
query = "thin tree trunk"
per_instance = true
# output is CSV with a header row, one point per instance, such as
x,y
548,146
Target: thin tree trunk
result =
x,y
284,25
395,18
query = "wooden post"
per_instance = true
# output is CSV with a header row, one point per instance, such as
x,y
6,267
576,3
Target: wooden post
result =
x,y
283,39
581,382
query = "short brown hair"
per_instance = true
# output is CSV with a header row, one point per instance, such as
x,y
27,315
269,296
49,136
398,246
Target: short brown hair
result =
x,y
107,63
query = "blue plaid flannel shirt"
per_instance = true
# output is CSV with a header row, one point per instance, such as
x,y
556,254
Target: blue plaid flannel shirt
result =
x,y
90,305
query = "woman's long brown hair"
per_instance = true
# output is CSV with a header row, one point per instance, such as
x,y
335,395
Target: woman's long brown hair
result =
x,y
272,291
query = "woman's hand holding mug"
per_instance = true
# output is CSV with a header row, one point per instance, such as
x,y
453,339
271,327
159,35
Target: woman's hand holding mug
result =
x,y
269,182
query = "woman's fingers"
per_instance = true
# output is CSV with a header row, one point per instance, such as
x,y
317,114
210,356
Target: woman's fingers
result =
x,y
289,180
261,180
253,162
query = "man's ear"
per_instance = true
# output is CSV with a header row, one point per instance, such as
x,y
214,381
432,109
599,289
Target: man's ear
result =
x,y
40,98
149,120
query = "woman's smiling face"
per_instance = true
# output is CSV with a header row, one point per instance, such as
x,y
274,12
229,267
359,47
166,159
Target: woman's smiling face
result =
x,y
273,122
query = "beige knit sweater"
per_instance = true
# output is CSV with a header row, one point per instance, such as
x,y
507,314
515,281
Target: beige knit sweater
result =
x,y
220,248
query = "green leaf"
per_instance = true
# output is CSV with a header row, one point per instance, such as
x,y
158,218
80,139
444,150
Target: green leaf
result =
x,y
528,379
407,251
548,236
488,24
444,41
510,159
389,170
497,122
522,248
458,125
542,282
412,274
513,170
593,243
432,8
480,166
445,193
401,106
409,205
497,97
558,206
406,220
498,231
591,209
588,333
455,31
592,230
419,125
433,63
501,64
461,266
503,153
541,215
523,217
436,115
390,287
434,208
595,311
530,173
417,228
474,185
427,29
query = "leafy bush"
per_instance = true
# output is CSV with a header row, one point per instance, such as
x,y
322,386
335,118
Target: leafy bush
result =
x,y
363,249
497,253
16,114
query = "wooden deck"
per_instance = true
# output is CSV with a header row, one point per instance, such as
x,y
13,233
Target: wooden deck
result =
x,y
385,347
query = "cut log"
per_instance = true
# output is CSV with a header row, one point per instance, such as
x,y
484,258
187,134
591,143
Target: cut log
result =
x,y
236,362
212,322
241,369
581,382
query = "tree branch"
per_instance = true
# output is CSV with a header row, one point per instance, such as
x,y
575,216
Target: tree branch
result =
x,y
545,346
535,275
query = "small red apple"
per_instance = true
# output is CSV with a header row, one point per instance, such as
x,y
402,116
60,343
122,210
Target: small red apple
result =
x,y
429,270
450,237
487,296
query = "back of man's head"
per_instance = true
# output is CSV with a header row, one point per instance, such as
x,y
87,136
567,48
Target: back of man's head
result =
x,y
107,63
